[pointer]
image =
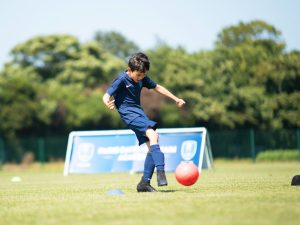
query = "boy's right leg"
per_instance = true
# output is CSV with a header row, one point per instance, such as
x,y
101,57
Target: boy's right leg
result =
x,y
144,185
149,165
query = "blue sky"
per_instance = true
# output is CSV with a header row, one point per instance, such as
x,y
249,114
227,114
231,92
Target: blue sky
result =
x,y
193,24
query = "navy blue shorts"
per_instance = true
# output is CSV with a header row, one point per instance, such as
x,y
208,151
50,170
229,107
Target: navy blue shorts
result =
x,y
139,126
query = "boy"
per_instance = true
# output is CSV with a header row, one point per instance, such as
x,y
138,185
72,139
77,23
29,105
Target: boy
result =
x,y
126,90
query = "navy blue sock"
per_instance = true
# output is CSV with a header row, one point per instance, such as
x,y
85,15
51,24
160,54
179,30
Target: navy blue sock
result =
x,y
148,167
158,157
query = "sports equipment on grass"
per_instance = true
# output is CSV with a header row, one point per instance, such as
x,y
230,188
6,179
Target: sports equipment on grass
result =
x,y
296,180
115,192
187,173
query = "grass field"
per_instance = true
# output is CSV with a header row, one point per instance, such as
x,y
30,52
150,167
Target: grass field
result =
x,y
235,192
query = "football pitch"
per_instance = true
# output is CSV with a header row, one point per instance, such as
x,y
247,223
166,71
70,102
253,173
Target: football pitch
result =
x,y
234,192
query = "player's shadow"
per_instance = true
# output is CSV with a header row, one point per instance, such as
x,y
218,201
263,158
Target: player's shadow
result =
x,y
167,191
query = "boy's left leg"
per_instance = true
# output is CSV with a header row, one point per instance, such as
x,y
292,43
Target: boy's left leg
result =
x,y
157,156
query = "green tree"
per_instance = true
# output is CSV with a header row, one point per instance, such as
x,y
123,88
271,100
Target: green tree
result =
x,y
247,80
18,108
231,85
116,44
18,93
175,69
242,52
280,77
73,107
47,54
58,84
256,32
62,57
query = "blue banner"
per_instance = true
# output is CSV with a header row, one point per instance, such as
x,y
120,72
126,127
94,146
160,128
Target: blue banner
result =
x,y
94,152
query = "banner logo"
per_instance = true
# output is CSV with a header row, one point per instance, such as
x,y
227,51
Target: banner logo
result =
x,y
85,152
188,149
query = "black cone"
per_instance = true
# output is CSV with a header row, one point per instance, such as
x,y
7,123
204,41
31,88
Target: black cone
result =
x,y
296,180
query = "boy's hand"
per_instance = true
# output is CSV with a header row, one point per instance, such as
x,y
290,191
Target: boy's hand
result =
x,y
111,104
180,102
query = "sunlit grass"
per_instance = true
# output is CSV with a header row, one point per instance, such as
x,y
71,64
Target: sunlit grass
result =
x,y
234,192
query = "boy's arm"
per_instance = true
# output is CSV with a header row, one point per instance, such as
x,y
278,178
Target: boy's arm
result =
x,y
109,103
162,90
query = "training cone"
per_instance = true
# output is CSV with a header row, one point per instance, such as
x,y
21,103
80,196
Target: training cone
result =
x,y
187,173
296,180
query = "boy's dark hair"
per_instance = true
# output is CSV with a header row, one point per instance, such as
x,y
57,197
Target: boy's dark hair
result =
x,y
139,62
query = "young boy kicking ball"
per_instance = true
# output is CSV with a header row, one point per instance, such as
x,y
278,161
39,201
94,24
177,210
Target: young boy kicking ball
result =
x,y
126,90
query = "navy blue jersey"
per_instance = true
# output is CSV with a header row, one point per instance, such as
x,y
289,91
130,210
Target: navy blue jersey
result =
x,y
127,94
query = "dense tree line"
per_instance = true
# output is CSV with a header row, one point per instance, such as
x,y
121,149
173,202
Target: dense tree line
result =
x,y
55,83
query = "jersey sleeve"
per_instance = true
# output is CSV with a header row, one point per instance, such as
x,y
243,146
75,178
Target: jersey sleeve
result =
x,y
148,83
116,84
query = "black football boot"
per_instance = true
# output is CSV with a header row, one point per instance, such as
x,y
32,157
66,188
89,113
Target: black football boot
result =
x,y
161,178
144,186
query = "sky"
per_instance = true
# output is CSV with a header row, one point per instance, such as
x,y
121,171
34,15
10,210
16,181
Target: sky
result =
x,y
192,24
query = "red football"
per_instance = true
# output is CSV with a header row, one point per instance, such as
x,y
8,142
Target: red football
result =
x,y
187,173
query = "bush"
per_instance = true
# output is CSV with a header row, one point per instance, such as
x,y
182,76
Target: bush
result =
x,y
279,155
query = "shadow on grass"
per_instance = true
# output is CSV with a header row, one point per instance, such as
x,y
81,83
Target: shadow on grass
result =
x,y
167,191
